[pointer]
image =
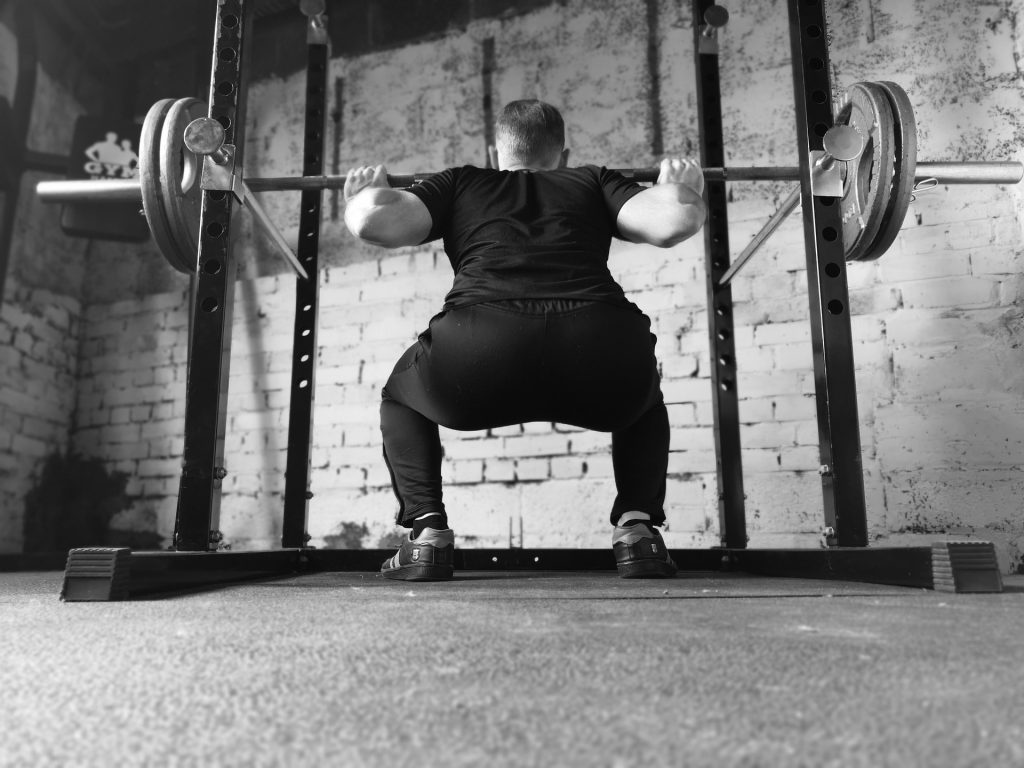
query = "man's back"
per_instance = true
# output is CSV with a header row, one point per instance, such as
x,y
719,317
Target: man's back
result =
x,y
527,234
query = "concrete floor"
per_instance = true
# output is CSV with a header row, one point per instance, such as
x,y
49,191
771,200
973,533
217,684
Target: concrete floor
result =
x,y
537,669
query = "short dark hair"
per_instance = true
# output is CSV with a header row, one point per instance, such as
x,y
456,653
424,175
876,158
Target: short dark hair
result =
x,y
531,130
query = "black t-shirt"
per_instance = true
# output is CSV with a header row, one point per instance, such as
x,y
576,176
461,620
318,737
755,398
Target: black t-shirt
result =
x,y
527,234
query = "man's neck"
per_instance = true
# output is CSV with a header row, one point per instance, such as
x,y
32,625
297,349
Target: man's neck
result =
x,y
526,165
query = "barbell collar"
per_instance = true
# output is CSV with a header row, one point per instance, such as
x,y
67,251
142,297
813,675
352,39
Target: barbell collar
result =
x,y
714,17
842,142
206,136
313,7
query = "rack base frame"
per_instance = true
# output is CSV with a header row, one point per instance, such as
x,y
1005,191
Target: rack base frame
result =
x,y
110,574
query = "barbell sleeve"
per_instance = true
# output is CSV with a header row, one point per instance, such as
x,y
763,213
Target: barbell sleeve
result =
x,y
127,190
90,191
1010,172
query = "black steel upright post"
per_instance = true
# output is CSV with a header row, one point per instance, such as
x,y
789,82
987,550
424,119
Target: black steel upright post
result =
x,y
724,396
842,479
199,492
17,116
307,296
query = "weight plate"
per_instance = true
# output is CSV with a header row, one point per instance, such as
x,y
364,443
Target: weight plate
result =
x,y
180,182
905,168
869,178
149,181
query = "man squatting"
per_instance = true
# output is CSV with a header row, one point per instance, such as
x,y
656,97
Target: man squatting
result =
x,y
535,328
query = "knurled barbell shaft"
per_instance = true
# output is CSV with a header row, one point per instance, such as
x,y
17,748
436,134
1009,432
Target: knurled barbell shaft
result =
x,y
399,180
127,190
1009,172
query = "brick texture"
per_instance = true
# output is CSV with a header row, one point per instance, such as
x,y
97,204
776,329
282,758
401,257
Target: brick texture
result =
x,y
38,377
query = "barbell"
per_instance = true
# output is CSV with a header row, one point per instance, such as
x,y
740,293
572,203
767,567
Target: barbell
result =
x,y
878,177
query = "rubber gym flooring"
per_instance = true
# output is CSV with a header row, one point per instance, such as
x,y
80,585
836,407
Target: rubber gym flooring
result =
x,y
514,669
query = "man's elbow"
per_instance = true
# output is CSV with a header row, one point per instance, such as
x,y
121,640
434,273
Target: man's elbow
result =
x,y
378,216
684,227
357,217
362,223
368,233
357,225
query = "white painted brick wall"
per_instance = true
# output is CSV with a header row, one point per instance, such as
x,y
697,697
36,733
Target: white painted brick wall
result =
x,y
38,371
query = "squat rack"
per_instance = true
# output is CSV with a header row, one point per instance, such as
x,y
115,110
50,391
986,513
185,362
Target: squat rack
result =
x,y
194,560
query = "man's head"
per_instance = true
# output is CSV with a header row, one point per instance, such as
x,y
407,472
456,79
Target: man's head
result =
x,y
529,134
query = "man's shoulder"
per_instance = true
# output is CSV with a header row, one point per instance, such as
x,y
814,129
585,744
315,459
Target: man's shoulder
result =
x,y
597,176
471,169
464,173
598,173
586,170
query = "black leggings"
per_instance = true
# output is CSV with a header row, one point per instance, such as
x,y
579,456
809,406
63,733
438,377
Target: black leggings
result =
x,y
588,364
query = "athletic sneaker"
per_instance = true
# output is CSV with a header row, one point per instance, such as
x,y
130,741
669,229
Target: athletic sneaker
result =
x,y
640,552
427,558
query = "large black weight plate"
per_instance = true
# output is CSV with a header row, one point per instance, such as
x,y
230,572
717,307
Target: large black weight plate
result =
x,y
180,183
149,181
905,151
866,187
